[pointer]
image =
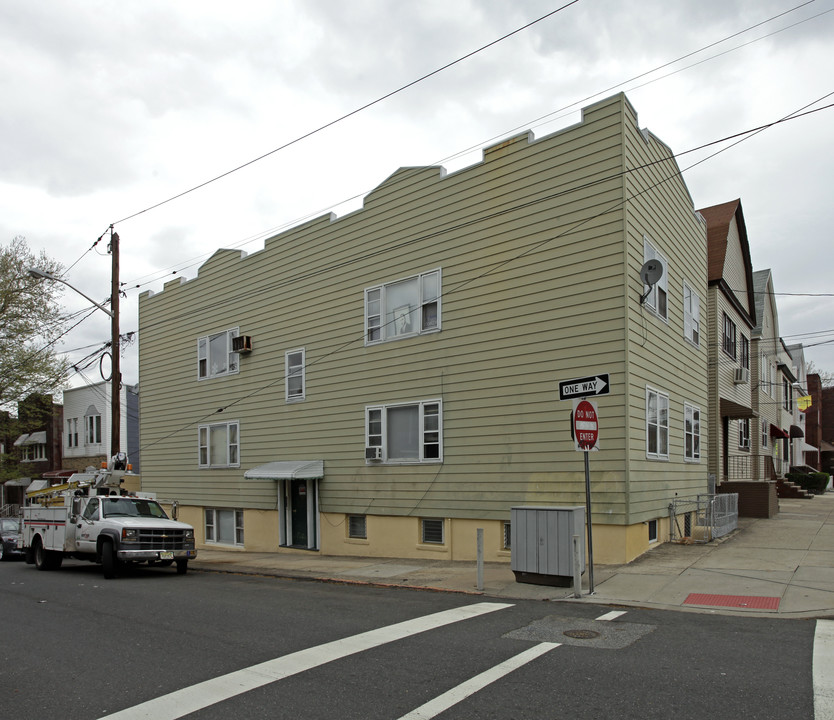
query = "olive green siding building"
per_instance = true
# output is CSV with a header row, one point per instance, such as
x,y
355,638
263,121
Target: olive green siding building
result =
x,y
385,382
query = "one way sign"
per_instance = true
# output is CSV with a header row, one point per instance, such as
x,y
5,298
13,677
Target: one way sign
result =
x,y
584,387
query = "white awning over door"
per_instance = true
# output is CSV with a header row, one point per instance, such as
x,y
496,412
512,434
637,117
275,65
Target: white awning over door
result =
x,y
287,470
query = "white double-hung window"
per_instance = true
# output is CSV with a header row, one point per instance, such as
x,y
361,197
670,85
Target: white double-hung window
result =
x,y
224,526
403,308
72,432
691,433
656,294
93,429
744,434
691,315
657,424
294,375
408,432
214,355
219,445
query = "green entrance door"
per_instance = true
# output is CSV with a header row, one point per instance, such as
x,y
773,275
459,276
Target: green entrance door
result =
x,y
298,512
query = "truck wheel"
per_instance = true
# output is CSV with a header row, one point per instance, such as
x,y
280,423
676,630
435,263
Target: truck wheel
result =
x,y
109,561
182,567
40,555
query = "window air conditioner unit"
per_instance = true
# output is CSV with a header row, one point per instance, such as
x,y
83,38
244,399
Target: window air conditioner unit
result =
x,y
242,343
742,376
373,453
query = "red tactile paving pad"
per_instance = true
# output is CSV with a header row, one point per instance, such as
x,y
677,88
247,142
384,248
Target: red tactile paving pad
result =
x,y
735,601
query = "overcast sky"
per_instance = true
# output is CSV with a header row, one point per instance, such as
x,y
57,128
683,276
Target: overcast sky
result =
x,y
110,108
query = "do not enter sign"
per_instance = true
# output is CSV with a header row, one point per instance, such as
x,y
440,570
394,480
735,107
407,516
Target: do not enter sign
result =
x,y
585,425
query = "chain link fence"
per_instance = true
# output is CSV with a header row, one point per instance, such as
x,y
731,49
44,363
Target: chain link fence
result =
x,y
702,518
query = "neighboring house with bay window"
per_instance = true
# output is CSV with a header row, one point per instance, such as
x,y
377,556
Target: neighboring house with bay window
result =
x,y
87,425
386,382
38,447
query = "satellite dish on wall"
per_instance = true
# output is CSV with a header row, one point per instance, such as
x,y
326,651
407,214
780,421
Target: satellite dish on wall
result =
x,y
650,273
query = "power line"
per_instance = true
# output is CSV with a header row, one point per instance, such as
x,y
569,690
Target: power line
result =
x,y
554,115
349,114
291,223
280,377
468,222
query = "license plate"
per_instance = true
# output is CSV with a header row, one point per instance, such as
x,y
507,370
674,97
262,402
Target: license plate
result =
x,y
166,555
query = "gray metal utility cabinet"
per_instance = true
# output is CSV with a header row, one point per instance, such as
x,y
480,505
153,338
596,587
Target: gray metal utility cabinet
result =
x,y
541,540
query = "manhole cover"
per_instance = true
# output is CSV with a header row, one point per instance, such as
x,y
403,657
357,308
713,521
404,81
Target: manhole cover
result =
x,y
581,634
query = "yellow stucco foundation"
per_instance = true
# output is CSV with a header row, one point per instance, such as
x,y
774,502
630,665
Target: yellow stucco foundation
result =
x,y
400,537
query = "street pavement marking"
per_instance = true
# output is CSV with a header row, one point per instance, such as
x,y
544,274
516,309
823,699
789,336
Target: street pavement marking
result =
x,y
821,666
613,615
188,700
443,702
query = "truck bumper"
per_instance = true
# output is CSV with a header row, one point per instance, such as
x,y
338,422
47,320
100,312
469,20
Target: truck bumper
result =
x,y
143,555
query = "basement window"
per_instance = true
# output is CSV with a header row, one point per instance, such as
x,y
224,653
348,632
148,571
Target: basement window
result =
x,y
432,531
357,527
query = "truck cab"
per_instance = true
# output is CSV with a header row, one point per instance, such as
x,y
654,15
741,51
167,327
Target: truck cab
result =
x,y
125,529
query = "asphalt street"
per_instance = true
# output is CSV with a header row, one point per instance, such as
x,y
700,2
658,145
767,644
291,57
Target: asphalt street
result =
x,y
215,645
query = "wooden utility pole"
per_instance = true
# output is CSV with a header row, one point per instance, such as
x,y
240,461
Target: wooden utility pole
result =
x,y
116,375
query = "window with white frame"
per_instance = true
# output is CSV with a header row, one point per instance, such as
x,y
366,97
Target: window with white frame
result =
x,y
764,434
691,315
33,453
409,432
294,375
93,429
657,293
728,339
214,355
72,432
744,352
403,308
657,424
652,527
744,434
764,370
219,445
224,526
691,433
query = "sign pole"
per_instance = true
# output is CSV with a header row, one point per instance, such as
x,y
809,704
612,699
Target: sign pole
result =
x,y
585,433
588,522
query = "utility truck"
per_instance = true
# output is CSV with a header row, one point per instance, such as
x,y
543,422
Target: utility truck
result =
x,y
92,517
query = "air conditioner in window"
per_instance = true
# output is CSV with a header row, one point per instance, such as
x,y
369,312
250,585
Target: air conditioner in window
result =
x,y
742,376
242,343
373,453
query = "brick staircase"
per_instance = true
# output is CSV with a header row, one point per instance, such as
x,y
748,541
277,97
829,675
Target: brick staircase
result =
x,y
785,489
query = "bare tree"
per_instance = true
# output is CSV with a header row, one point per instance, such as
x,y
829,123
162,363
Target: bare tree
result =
x,y
826,377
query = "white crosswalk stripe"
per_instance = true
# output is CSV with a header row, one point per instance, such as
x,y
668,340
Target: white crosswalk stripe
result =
x,y
188,700
821,667
479,682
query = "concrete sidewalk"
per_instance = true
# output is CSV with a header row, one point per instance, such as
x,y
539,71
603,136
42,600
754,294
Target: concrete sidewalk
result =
x,y
778,567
